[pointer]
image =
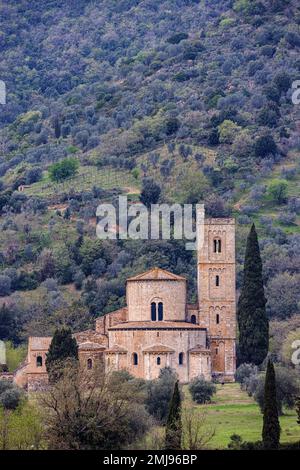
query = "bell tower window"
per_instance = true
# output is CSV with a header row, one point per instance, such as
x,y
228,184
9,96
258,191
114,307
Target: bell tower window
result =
x,y
153,311
157,311
180,359
193,319
217,318
217,281
135,359
158,361
217,245
160,311
39,361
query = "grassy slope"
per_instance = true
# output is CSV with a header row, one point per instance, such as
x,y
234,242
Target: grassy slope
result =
x,y
269,208
87,177
233,412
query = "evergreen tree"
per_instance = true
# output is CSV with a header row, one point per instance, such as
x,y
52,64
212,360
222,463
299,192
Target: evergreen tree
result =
x,y
63,346
298,409
8,325
271,426
174,425
252,319
57,128
150,192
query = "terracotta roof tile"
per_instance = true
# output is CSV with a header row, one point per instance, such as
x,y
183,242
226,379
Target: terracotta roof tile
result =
x,y
199,349
39,342
135,325
116,349
157,274
89,345
158,348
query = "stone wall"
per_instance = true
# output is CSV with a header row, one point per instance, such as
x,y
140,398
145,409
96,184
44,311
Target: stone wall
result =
x,y
140,295
216,293
138,341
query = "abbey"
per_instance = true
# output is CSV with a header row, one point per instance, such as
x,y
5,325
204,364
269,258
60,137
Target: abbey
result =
x,y
158,328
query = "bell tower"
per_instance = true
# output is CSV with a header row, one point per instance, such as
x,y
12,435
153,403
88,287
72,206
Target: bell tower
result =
x,y
216,291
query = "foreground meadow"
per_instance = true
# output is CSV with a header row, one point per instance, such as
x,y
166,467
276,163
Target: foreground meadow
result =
x,y
234,412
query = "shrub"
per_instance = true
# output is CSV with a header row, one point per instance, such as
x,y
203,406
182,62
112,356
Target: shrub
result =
x,y
159,394
150,192
244,371
287,218
201,390
64,169
277,190
287,388
177,38
10,395
264,146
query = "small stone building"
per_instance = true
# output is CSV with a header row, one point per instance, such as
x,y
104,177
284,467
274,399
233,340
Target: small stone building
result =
x,y
158,328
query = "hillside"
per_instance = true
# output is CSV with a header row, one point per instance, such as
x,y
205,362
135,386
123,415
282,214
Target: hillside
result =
x,y
194,94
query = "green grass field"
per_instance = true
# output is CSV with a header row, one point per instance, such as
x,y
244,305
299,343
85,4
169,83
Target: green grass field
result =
x,y
233,412
84,180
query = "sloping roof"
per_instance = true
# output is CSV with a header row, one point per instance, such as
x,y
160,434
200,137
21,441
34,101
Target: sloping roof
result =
x,y
159,348
154,325
116,349
89,345
199,349
157,274
39,342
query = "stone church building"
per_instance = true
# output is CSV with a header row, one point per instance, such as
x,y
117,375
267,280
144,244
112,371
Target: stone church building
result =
x,y
158,328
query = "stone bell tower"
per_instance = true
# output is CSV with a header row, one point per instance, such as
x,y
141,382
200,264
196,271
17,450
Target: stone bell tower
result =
x,y
216,291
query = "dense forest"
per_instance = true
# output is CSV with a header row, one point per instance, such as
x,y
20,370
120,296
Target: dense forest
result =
x,y
103,96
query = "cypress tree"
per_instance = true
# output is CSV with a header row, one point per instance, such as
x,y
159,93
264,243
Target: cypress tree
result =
x,y
298,409
174,425
271,426
252,319
57,128
63,346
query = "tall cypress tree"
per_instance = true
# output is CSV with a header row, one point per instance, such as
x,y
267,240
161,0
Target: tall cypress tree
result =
x,y
174,425
298,409
63,346
271,426
252,319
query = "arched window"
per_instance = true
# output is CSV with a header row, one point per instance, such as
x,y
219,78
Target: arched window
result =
x,y
89,364
217,281
217,318
160,311
158,361
180,358
217,351
39,361
193,319
135,359
217,245
153,311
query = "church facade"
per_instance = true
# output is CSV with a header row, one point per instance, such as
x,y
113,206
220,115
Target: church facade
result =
x,y
158,328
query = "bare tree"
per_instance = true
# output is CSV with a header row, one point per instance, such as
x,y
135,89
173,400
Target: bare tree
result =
x,y
196,432
93,410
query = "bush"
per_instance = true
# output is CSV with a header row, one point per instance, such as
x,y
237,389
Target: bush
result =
x,y
244,371
201,390
277,190
150,192
10,395
287,388
5,285
264,146
159,394
64,169
177,38
287,218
